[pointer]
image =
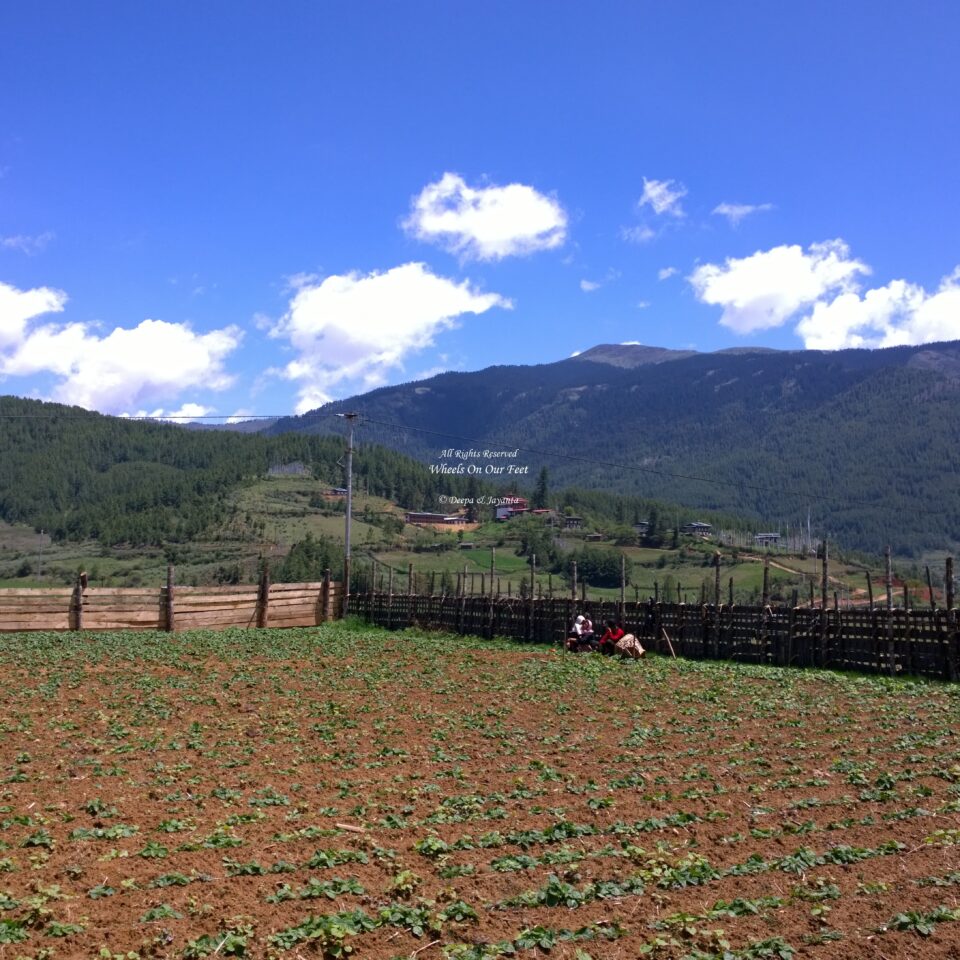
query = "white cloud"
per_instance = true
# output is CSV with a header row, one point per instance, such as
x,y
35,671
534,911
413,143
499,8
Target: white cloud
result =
x,y
17,307
665,273
735,212
588,286
643,304
767,288
127,369
821,289
663,197
486,223
638,234
894,315
351,328
27,244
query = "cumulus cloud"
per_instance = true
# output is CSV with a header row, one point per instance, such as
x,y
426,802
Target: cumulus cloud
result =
x,y
588,286
735,212
486,223
127,369
18,307
663,197
665,273
894,315
769,287
25,243
356,329
821,289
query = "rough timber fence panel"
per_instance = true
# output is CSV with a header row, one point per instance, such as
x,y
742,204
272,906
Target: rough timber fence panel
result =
x,y
925,642
183,608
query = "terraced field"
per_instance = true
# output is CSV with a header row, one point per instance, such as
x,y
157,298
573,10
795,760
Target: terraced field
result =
x,y
344,790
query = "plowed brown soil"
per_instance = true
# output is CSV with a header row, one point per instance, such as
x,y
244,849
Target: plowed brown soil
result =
x,y
157,795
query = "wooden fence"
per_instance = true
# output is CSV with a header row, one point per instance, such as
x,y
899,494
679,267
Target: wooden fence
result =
x,y
879,640
171,607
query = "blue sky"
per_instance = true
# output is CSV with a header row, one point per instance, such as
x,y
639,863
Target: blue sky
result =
x,y
236,207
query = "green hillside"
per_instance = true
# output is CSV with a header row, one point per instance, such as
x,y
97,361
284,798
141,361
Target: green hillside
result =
x,y
82,476
866,441
121,500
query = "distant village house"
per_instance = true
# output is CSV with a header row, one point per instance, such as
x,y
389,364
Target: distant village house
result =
x,y
766,539
513,507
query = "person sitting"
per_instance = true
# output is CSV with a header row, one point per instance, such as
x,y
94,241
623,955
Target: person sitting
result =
x,y
582,638
628,646
608,642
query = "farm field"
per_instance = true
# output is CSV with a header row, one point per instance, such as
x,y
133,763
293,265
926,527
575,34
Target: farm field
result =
x,y
320,792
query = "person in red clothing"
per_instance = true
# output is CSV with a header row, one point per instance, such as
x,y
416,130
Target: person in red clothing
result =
x,y
608,642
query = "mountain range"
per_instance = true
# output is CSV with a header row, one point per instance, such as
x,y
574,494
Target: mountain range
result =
x,y
864,443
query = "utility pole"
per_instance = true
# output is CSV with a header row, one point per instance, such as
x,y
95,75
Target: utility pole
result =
x,y
349,417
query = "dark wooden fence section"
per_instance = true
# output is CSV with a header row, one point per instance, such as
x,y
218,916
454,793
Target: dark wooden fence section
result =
x,y
171,607
895,642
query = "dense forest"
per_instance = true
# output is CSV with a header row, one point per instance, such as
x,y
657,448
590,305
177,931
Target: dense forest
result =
x,y
80,475
867,442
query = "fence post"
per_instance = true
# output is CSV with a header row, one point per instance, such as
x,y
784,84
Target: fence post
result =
x,y
410,586
824,578
325,606
623,588
933,601
77,604
906,628
888,557
530,603
951,622
169,611
389,597
263,597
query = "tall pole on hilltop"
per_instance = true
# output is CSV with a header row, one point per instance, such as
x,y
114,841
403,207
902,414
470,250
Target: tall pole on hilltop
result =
x,y
349,417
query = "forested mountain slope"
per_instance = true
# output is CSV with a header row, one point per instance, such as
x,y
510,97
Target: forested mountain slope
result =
x,y
866,440
81,475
